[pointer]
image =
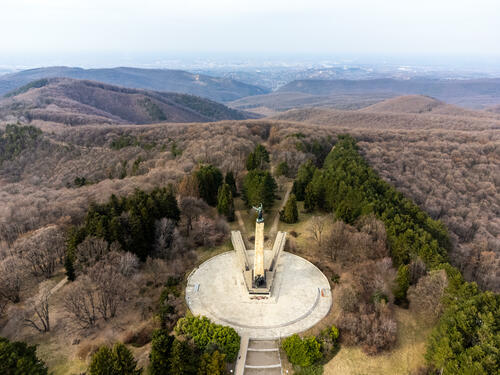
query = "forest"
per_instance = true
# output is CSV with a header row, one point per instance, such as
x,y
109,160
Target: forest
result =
x,y
461,343
127,212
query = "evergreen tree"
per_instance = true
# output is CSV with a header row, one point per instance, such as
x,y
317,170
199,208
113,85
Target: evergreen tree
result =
x,y
209,180
161,346
282,169
124,362
402,283
225,203
182,359
259,187
102,362
135,231
290,214
250,163
230,180
257,159
69,266
465,340
20,358
304,176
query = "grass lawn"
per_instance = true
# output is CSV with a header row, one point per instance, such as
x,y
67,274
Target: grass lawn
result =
x,y
404,358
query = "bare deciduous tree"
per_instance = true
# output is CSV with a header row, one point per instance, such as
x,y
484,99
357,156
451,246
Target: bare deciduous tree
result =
x,y
43,250
191,209
188,187
110,285
425,297
80,302
316,228
165,236
37,313
128,264
335,242
12,278
89,252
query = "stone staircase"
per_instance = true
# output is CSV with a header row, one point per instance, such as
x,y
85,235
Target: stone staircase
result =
x,y
262,358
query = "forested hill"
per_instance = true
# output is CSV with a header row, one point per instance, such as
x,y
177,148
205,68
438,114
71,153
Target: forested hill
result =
x,y
166,80
78,102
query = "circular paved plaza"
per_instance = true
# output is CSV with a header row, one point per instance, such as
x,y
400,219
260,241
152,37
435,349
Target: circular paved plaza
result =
x,y
300,297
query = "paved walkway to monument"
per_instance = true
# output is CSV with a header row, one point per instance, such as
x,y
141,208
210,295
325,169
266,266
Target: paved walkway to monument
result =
x,y
301,296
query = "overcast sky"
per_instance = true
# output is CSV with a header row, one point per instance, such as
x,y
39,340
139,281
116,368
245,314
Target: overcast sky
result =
x,y
392,27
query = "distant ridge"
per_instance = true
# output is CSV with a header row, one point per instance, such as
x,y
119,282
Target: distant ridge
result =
x,y
79,102
406,104
425,104
494,109
218,89
477,93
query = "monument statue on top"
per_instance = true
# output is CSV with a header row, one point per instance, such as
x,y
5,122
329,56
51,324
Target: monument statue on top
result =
x,y
259,209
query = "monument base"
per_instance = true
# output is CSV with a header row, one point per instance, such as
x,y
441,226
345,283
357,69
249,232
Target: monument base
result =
x,y
263,289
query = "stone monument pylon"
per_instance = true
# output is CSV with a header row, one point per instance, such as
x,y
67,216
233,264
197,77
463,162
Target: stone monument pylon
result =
x,y
259,275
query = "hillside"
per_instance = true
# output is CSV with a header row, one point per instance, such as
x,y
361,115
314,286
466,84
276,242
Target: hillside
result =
x,y
424,104
78,102
479,93
49,179
283,101
393,120
218,89
495,109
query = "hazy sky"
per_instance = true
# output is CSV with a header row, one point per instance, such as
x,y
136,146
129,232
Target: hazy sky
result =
x,y
393,27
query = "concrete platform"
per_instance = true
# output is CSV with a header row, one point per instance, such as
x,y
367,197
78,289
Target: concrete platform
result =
x,y
300,297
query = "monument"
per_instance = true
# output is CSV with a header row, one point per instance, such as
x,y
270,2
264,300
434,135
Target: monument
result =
x,y
262,293
260,276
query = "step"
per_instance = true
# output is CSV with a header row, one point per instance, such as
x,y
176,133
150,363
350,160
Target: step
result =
x,y
262,359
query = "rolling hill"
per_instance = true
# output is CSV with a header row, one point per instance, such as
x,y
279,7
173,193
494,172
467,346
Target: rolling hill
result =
x,y
218,89
478,93
79,102
283,101
494,109
425,104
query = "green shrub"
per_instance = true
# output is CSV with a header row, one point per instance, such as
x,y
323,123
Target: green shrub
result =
x,y
302,352
203,333
212,364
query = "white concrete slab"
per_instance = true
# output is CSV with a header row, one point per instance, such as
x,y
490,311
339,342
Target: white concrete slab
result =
x,y
300,298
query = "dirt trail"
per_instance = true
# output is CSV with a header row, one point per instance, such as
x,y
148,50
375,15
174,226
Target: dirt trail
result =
x,y
274,226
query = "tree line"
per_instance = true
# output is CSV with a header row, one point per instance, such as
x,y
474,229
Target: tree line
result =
x,y
466,337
